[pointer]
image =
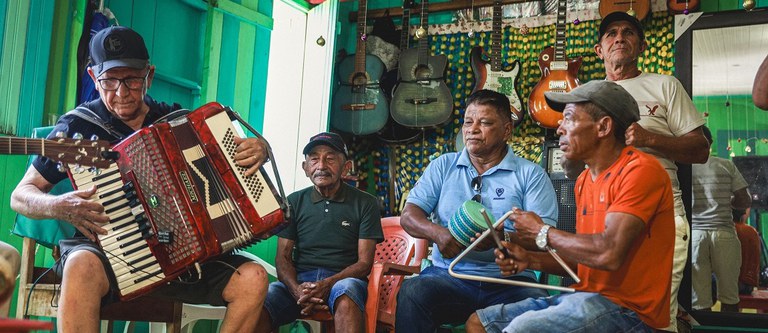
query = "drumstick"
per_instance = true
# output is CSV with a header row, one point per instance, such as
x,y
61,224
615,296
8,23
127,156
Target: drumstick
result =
x,y
492,231
563,264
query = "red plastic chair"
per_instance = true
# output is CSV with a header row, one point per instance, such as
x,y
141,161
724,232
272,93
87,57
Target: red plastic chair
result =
x,y
23,325
399,255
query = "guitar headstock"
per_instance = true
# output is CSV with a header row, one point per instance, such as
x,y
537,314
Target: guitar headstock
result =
x,y
90,153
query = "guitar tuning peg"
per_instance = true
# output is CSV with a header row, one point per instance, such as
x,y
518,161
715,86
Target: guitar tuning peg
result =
x,y
77,136
61,167
94,170
94,137
60,134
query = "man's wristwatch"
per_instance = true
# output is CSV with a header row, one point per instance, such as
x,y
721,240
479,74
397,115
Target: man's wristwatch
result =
x,y
541,238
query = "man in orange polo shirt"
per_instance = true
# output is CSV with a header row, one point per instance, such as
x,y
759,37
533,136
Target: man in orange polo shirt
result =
x,y
625,227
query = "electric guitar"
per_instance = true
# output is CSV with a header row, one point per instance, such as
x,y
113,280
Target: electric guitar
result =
x,y
422,99
86,153
558,73
636,8
680,6
491,75
359,106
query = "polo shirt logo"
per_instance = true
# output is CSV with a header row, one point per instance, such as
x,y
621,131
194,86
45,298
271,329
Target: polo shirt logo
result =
x,y
499,191
345,224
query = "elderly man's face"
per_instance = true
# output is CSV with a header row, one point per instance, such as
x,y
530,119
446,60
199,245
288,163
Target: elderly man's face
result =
x,y
578,132
621,44
125,103
484,129
324,166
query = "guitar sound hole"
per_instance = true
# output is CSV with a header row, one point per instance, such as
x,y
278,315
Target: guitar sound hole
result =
x,y
359,79
423,72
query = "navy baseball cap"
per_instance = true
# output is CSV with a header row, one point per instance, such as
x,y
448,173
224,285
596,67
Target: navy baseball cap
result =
x,y
117,46
329,139
620,16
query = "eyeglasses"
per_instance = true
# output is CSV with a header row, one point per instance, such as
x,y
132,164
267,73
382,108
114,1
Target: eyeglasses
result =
x,y
477,184
132,83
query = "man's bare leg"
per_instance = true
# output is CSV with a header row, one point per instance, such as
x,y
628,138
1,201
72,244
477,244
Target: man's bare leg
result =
x,y
473,324
348,318
245,293
83,285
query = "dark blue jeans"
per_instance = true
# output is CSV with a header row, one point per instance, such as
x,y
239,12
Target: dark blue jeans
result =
x,y
434,298
282,307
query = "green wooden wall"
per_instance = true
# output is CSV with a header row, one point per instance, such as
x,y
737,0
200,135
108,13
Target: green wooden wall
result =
x,y
202,54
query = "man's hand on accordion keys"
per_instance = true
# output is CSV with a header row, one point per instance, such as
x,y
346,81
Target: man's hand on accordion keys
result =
x,y
84,214
251,153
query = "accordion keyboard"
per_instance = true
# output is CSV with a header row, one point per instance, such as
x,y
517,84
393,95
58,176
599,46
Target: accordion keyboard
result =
x,y
125,247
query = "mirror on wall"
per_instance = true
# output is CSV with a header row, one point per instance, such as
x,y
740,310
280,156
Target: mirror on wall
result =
x,y
716,60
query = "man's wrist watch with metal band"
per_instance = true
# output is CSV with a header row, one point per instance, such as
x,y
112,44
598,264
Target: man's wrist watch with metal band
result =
x,y
541,238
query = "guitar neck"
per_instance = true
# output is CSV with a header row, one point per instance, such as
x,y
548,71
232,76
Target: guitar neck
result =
x,y
560,31
424,41
496,37
362,14
21,146
404,33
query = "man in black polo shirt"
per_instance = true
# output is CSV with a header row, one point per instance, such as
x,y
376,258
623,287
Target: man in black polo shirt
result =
x,y
325,254
122,74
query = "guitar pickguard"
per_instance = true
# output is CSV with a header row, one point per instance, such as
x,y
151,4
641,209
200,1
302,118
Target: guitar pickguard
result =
x,y
504,82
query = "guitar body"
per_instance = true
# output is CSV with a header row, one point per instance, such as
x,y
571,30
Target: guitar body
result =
x,y
359,106
422,99
394,133
560,80
504,81
680,6
641,7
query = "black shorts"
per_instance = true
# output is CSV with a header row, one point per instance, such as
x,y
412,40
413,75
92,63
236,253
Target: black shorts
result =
x,y
205,288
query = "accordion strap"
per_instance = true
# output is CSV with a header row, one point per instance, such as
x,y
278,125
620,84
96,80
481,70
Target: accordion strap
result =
x,y
93,118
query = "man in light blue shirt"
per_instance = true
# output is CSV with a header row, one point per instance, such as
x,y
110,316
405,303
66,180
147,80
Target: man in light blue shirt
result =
x,y
486,170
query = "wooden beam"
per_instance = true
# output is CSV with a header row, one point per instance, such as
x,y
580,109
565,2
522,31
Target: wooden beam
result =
x,y
434,7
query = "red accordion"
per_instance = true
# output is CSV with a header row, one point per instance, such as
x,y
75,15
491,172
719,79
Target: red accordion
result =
x,y
175,198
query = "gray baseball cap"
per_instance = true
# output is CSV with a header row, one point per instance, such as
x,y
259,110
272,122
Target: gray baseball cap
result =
x,y
608,96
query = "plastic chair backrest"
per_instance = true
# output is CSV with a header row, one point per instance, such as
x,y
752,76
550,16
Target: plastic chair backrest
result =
x,y
400,248
46,232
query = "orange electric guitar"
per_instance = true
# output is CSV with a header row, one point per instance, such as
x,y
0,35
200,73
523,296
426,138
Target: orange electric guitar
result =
x,y
681,6
558,73
636,8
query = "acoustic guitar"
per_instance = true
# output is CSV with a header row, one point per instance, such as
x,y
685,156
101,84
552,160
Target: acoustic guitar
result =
x,y
681,6
422,99
558,73
491,74
393,132
359,106
636,8
86,153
